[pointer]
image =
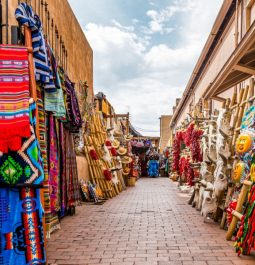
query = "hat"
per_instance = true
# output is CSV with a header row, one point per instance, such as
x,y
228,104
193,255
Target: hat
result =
x,y
126,171
126,160
129,137
117,133
122,151
115,144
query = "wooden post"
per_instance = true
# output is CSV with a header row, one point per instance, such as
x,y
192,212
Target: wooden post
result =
x,y
33,94
241,199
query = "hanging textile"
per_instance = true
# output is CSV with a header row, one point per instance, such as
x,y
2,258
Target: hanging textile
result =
x,y
53,95
21,229
26,17
73,187
24,166
73,111
63,169
14,97
53,166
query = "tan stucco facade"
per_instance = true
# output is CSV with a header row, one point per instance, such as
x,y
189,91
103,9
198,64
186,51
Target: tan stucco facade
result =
x,y
240,23
165,131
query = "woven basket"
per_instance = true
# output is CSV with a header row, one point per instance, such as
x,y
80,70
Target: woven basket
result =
x,y
131,182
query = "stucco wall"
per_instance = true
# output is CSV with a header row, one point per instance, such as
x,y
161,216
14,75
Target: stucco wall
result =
x,y
165,131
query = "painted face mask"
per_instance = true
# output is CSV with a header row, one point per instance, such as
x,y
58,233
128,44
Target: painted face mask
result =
x,y
238,172
244,143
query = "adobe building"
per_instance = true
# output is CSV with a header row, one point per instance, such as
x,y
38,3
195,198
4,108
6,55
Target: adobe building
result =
x,y
63,32
227,62
165,131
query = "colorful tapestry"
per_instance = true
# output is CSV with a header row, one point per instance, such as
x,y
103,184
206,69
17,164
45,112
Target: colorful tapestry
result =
x,y
73,187
14,97
51,219
73,111
53,166
63,178
248,120
25,16
24,166
21,228
53,96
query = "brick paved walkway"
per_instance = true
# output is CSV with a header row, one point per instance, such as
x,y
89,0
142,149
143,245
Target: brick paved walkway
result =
x,y
149,224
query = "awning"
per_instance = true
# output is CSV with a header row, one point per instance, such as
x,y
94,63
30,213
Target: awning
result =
x,y
239,67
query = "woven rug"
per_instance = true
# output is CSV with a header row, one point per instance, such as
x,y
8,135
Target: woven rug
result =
x,y
21,229
24,166
14,97
73,111
53,166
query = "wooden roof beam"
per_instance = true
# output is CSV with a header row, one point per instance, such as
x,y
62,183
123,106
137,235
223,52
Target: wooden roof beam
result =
x,y
245,69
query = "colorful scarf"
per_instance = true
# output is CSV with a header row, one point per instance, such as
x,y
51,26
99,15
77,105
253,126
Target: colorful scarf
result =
x,y
26,17
14,97
21,228
26,165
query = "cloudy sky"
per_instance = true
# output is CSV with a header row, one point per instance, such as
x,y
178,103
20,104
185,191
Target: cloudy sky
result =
x,y
145,51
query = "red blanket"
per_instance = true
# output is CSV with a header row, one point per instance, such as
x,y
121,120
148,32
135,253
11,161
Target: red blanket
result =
x,y
14,97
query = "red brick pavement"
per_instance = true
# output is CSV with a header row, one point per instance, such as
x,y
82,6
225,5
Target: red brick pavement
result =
x,y
148,224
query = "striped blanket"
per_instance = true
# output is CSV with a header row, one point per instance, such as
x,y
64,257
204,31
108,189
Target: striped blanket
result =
x,y
26,17
14,97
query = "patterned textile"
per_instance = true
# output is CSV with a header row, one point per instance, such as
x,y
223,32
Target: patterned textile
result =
x,y
24,166
53,166
248,120
21,229
51,219
73,111
14,97
153,168
25,16
92,192
53,96
63,175
73,187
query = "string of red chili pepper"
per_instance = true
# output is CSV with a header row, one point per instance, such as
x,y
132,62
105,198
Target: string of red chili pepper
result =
x,y
188,135
195,146
177,151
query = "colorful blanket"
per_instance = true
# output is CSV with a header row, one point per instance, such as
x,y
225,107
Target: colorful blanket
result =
x,y
25,16
14,97
53,96
73,111
21,229
24,166
53,166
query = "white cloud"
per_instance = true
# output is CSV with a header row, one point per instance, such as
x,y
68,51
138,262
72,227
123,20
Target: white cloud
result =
x,y
145,78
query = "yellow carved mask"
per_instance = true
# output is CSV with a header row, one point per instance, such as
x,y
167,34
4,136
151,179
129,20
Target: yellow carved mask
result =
x,y
238,172
243,143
